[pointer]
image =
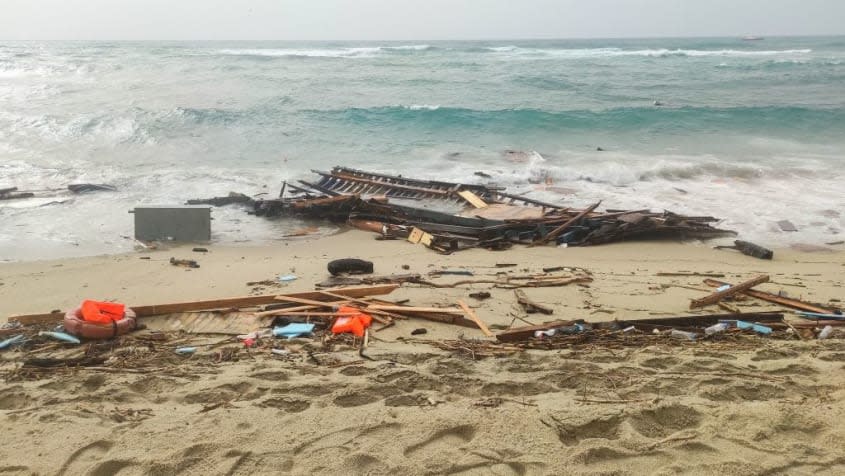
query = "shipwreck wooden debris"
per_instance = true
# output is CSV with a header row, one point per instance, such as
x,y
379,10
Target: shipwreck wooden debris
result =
x,y
228,303
718,296
472,315
378,203
774,298
530,306
557,231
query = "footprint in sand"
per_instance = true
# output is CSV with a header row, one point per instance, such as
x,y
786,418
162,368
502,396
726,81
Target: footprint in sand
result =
x,y
412,400
774,354
87,456
571,433
289,405
664,421
444,439
748,391
11,400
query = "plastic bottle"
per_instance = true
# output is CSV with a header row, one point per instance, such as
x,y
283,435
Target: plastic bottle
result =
x,y
186,350
683,334
826,332
716,328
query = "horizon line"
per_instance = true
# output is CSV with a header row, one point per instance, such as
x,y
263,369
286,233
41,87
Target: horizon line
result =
x,y
658,37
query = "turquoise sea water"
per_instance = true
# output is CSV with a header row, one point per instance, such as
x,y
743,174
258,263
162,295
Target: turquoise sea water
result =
x,y
751,131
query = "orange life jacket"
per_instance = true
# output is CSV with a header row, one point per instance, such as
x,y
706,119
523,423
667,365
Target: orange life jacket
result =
x,y
352,320
102,312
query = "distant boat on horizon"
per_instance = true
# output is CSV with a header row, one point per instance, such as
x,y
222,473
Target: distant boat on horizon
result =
x,y
752,38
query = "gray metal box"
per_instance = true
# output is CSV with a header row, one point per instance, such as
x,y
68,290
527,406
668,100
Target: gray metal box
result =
x,y
173,222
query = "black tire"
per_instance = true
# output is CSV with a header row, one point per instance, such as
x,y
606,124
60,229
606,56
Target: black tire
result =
x,y
351,266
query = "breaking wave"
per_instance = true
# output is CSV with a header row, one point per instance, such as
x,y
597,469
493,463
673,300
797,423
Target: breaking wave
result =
x,y
349,52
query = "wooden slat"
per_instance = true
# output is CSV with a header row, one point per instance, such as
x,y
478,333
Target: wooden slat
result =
x,y
309,302
275,312
481,325
718,296
414,310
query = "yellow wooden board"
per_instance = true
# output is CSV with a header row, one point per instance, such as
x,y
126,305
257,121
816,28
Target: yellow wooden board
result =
x,y
502,211
473,199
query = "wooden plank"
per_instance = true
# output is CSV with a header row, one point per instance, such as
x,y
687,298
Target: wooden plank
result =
x,y
274,312
481,325
774,298
559,230
228,303
527,332
30,319
529,305
447,319
309,302
699,321
718,296
414,310
472,199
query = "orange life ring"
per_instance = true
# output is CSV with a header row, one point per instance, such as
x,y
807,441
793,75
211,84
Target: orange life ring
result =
x,y
76,325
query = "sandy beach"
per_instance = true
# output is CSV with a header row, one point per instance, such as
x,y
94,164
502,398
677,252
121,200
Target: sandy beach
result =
x,y
755,407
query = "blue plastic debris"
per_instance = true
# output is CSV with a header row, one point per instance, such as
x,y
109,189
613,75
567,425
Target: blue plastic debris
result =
x,y
287,277
818,315
186,350
61,336
294,329
760,329
11,341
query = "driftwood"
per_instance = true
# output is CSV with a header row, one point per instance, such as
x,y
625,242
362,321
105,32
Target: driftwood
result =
x,y
416,310
774,298
481,325
557,231
694,274
530,306
718,296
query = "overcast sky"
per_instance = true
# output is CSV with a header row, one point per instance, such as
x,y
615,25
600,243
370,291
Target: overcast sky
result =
x,y
412,19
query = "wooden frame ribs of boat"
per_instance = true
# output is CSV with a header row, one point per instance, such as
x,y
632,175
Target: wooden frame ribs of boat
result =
x,y
346,180
491,218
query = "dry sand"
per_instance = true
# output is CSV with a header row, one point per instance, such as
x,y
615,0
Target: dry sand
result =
x,y
769,407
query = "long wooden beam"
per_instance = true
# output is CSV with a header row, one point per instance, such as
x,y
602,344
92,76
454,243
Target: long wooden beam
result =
x,y
718,296
557,231
227,303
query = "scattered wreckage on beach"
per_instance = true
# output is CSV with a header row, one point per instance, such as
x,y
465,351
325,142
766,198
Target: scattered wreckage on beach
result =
x,y
449,217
